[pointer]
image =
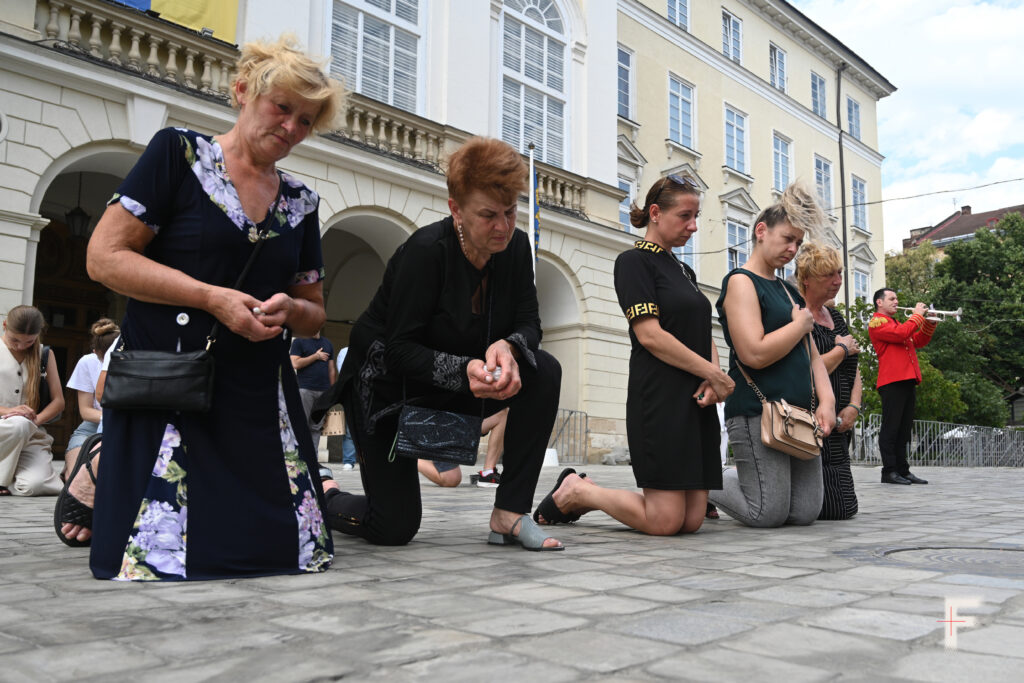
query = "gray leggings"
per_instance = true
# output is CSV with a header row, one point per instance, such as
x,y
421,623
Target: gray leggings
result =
x,y
767,488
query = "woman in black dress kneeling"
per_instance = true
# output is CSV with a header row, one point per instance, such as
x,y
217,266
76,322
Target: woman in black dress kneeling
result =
x,y
674,381
457,303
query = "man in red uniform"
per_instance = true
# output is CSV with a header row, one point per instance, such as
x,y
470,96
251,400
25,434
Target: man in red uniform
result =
x,y
898,377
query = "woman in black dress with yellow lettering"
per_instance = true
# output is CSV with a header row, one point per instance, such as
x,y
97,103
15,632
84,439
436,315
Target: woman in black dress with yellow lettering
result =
x,y
674,380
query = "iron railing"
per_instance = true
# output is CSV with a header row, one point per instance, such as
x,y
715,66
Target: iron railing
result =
x,y
570,436
945,444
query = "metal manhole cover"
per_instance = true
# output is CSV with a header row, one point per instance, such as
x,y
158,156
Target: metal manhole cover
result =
x,y
988,561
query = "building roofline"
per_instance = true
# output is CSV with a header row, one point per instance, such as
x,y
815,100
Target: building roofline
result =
x,y
870,76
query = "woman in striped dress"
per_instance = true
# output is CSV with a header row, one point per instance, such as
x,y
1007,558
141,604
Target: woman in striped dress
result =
x,y
819,275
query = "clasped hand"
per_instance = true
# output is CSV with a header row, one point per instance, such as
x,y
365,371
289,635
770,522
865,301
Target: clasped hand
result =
x,y
714,389
481,373
249,317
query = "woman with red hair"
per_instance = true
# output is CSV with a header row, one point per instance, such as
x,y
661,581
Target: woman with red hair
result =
x,y
457,304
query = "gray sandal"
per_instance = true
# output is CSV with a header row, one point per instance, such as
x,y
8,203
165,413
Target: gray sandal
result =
x,y
530,536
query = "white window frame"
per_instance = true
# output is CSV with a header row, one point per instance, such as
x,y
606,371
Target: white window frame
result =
x,y
363,8
738,246
743,138
853,117
823,182
688,253
819,95
732,36
864,293
548,92
689,144
681,9
858,200
776,184
630,82
786,271
629,185
777,67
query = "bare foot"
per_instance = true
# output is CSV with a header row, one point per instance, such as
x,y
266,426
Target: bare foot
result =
x,y
84,490
567,497
502,522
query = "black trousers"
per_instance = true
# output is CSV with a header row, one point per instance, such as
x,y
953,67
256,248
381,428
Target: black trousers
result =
x,y
389,512
897,423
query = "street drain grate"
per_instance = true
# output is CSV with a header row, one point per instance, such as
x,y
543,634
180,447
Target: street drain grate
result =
x,y
984,560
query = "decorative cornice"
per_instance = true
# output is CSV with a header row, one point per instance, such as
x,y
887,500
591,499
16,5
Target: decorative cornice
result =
x,y
695,47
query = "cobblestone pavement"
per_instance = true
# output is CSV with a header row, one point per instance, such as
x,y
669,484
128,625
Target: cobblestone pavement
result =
x,y
811,603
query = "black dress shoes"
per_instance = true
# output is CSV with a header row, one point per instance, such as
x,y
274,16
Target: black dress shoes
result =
x,y
914,480
895,478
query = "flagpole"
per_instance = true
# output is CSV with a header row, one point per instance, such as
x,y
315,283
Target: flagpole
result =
x,y
534,227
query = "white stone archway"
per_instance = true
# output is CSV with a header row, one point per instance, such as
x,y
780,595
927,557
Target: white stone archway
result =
x,y
356,244
561,322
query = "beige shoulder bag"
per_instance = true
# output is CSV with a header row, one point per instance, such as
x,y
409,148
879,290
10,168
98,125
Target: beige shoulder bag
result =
x,y
788,428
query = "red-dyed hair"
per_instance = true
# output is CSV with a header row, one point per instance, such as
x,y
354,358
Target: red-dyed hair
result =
x,y
488,165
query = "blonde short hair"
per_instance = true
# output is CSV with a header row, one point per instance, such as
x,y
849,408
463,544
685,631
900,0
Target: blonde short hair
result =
x,y
799,207
815,260
265,65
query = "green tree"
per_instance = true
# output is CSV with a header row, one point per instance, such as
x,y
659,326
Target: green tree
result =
x,y
982,355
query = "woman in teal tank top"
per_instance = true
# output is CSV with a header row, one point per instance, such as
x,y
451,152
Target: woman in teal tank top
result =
x,y
765,325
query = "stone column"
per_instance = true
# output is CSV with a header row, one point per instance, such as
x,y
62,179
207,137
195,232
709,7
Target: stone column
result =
x,y
19,239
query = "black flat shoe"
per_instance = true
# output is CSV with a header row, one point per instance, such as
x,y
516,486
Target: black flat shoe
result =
x,y
914,480
895,478
547,508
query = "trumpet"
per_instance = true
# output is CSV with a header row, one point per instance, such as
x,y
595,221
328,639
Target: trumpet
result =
x,y
935,315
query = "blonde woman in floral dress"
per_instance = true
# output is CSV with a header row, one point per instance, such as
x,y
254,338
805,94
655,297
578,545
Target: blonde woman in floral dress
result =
x,y
235,491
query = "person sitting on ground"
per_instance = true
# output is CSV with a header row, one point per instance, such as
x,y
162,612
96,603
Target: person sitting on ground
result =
x,y
675,380
26,458
448,474
83,380
457,303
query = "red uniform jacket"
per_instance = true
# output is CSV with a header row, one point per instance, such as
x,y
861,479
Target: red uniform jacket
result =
x,y
896,344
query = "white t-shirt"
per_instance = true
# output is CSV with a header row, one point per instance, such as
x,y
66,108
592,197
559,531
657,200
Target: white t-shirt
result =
x,y
85,376
105,366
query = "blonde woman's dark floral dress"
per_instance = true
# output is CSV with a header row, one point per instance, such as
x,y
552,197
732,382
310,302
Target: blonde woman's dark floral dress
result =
x,y
235,491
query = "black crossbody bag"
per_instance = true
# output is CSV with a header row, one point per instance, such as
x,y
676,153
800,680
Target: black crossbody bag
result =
x,y
169,380
440,435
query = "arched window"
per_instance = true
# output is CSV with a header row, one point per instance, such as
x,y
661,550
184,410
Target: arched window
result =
x,y
533,78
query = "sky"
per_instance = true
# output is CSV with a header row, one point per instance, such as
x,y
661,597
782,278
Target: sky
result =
x,y
956,119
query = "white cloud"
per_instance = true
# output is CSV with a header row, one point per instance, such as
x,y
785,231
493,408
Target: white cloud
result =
x,y
957,118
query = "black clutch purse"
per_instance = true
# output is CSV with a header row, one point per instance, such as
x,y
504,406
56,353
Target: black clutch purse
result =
x,y
433,434
166,380
159,380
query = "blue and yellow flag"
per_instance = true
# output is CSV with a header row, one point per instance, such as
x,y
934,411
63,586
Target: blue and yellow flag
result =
x,y
219,15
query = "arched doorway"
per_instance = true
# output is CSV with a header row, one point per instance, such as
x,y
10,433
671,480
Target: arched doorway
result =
x,y
561,323
356,247
69,300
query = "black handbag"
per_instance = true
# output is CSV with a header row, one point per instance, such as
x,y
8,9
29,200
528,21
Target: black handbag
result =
x,y
434,434
168,380
441,435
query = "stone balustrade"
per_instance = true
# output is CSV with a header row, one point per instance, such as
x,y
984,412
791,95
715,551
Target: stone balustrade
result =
x,y
165,52
134,40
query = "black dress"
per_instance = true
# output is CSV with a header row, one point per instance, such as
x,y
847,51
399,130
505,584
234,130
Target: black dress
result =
x,y
840,501
414,342
673,442
236,491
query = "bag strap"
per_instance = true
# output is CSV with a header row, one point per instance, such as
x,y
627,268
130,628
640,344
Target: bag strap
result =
x,y
261,236
487,342
807,348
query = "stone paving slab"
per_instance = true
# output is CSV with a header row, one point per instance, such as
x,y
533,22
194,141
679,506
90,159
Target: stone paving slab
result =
x,y
817,603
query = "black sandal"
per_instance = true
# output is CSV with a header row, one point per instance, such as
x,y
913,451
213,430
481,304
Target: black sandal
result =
x,y
70,510
549,511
